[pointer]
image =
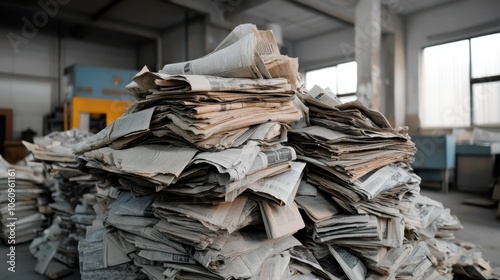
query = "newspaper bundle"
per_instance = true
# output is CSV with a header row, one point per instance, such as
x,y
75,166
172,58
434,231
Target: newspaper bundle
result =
x,y
72,203
23,200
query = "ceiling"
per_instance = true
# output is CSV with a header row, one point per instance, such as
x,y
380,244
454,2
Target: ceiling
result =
x,y
130,22
406,7
295,21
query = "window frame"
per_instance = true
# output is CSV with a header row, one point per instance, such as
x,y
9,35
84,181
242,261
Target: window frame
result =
x,y
334,64
472,80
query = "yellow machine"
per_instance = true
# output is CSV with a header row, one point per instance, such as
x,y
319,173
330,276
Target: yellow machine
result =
x,y
95,96
81,112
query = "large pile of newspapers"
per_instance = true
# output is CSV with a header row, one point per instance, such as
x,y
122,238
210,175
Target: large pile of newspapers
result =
x,y
194,180
198,180
23,200
73,195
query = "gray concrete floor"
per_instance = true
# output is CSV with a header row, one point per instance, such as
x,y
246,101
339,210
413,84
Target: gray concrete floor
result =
x,y
25,263
481,227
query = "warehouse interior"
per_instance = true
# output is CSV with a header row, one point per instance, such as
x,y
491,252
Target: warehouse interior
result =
x,y
319,33
432,66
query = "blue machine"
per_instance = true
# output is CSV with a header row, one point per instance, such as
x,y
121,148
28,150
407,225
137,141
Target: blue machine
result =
x,y
435,158
477,166
98,82
95,96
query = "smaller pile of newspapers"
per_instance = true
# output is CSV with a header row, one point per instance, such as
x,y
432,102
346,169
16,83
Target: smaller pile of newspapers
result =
x,y
23,199
73,198
366,217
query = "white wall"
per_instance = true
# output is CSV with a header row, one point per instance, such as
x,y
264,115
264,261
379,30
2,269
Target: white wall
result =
x,y
325,50
174,47
214,35
470,17
29,99
146,54
28,78
81,52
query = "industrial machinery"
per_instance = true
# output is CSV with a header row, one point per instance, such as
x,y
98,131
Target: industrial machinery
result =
x,y
435,158
478,166
95,96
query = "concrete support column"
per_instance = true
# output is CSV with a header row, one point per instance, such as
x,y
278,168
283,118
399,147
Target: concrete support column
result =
x,y
392,64
387,63
367,51
399,72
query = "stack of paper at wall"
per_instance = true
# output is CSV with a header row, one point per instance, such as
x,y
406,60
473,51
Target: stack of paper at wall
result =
x,y
20,187
72,206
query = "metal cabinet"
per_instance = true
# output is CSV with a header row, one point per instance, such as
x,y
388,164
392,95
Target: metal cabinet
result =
x,y
477,166
435,158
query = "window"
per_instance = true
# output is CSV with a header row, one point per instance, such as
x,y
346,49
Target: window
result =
x,y
341,79
460,83
485,54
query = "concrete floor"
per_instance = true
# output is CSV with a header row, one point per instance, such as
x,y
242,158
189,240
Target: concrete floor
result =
x,y
481,227
25,263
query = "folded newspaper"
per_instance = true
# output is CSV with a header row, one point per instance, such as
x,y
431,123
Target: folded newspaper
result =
x,y
245,53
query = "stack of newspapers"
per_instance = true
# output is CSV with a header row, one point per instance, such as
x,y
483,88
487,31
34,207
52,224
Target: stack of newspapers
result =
x,y
366,218
22,200
219,171
72,207
194,179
